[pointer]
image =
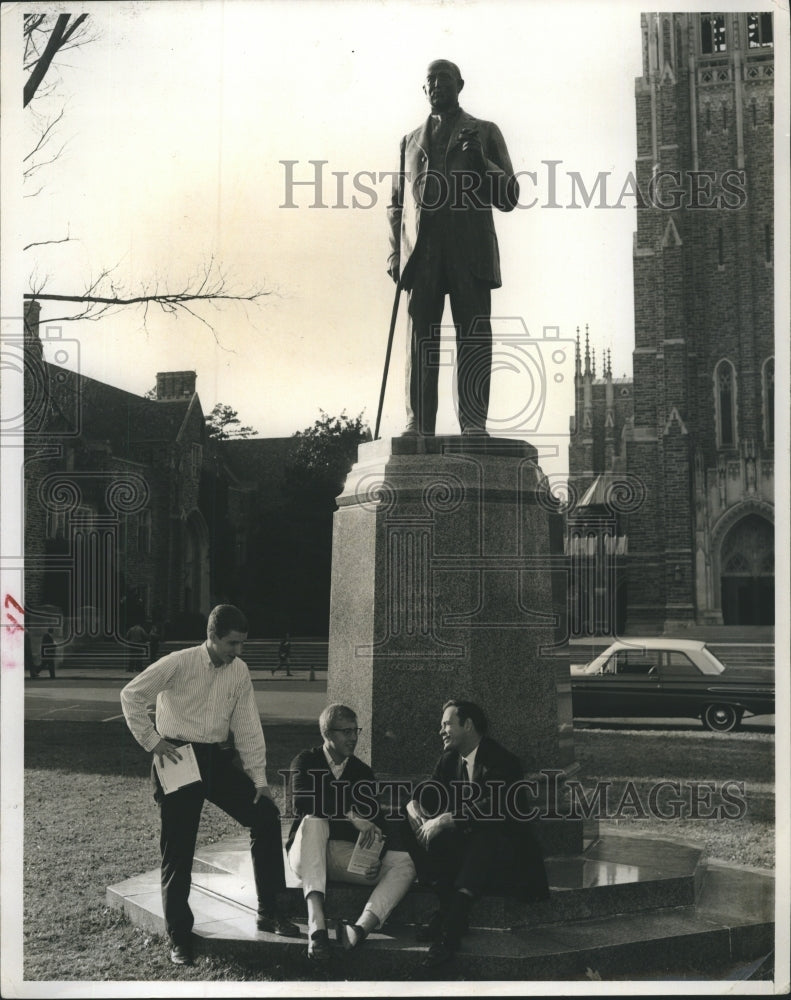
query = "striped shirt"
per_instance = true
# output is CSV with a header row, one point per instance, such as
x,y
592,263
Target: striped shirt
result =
x,y
197,701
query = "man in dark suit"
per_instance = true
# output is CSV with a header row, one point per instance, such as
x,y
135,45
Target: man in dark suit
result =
x,y
468,839
453,169
333,796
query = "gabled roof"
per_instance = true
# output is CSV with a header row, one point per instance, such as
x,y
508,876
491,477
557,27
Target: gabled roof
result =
x,y
102,412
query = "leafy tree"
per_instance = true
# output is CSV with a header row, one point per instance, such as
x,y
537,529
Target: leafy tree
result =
x,y
292,547
223,423
324,454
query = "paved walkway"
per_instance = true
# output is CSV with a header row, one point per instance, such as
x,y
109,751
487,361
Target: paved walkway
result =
x,y
93,696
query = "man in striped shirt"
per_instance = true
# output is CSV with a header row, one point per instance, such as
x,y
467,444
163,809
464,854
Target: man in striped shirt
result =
x,y
203,695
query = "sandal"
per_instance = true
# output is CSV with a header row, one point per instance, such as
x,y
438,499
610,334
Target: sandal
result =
x,y
350,936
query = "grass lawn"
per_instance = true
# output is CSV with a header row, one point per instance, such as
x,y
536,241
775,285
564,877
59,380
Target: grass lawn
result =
x,y
90,821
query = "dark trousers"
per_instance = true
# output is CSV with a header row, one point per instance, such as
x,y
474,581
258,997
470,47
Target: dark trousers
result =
x,y
481,859
231,789
436,270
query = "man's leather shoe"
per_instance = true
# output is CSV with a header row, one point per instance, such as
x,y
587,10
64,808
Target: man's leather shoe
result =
x,y
181,954
431,930
319,946
439,922
440,953
276,923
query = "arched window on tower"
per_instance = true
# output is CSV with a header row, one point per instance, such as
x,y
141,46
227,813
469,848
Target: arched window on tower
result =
x,y
667,45
759,30
725,404
712,34
768,386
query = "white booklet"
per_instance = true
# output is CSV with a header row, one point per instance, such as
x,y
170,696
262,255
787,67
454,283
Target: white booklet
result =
x,y
363,857
173,775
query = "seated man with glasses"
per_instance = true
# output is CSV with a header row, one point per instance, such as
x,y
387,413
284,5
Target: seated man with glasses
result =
x,y
333,796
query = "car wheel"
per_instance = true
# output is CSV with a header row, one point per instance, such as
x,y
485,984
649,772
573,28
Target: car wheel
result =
x,y
721,718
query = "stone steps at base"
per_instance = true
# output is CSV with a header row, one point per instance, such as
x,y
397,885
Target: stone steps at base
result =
x,y
616,874
732,922
628,904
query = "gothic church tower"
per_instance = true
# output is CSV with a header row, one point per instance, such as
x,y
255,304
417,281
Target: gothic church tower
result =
x,y
698,548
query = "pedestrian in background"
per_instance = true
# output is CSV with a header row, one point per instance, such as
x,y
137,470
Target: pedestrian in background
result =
x,y
137,656
284,654
48,655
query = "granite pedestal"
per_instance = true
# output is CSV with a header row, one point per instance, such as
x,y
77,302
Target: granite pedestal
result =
x,y
441,588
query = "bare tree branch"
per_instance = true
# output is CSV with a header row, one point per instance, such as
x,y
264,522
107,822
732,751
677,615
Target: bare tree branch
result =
x,y
43,163
47,36
44,134
61,33
165,300
102,296
43,243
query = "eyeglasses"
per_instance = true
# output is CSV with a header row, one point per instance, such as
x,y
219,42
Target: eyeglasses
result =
x,y
352,731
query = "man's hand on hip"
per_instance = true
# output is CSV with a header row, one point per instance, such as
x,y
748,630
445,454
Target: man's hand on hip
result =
x,y
263,792
165,749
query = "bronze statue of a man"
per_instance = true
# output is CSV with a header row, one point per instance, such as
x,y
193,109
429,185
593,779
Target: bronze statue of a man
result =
x,y
453,169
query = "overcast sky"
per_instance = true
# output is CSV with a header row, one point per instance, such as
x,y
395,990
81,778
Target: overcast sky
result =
x,y
178,117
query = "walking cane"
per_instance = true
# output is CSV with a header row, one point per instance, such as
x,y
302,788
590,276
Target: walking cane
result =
x,y
387,358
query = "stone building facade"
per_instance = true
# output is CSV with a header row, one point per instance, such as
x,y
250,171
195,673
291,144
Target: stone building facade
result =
x,y
674,469
134,514
119,499
131,513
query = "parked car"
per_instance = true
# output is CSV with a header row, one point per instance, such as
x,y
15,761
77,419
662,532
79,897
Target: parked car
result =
x,y
669,678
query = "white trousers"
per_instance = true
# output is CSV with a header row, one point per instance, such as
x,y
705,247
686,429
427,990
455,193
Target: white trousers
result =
x,y
314,858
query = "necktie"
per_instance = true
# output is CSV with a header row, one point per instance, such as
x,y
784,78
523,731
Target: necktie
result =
x,y
465,774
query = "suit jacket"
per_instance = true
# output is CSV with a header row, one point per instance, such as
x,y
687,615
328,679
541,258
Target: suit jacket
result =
x,y
473,225
495,771
313,790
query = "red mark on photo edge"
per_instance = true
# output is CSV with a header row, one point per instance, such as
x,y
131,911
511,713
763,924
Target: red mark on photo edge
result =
x,y
13,627
10,600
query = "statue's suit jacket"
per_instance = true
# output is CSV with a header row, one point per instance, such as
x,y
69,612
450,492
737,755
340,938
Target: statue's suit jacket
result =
x,y
471,216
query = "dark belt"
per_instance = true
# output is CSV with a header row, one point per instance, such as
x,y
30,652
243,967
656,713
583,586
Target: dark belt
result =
x,y
183,743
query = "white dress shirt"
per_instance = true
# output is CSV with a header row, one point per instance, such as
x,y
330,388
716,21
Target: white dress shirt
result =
x,y
337,769
470,761
196,701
